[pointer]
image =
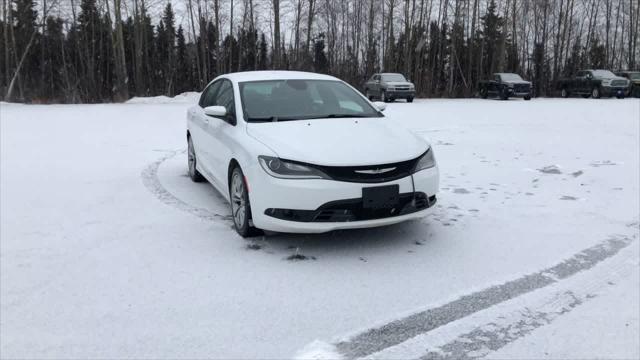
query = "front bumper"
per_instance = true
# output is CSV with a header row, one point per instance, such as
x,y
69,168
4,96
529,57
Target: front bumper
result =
x,y
400,94
309,196
615,90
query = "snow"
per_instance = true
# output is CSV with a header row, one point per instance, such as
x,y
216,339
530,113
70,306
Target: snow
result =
x,y
107,250
184,98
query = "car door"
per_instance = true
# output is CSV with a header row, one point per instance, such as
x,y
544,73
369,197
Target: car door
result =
x,y
219,133
581,81
200,124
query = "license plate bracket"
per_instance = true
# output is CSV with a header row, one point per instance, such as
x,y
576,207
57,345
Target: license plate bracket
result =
x,y
381,197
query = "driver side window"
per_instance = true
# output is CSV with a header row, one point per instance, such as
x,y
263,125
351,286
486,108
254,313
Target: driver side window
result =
x,y
208,95
224,97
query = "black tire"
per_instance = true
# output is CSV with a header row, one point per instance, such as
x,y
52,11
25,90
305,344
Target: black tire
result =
x,y
596,93
527,98
368,95
504,95
409,100
620,96
483,93
192,159
564,93
240,205
383,96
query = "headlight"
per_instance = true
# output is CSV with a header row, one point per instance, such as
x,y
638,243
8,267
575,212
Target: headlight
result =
x,y
289,170
427,161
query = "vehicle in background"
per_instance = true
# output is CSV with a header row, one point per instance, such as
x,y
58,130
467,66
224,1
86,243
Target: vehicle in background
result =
x,y
306,153
634,81
504,86
594,83
388,87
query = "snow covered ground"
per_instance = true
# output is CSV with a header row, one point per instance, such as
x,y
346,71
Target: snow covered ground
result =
x,y
107,250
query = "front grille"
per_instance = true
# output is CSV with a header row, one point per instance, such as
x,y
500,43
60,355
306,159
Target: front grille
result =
x,y
353,210
370,173
619,83
402,87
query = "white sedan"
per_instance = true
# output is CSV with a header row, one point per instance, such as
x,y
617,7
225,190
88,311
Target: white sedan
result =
x,y
306,153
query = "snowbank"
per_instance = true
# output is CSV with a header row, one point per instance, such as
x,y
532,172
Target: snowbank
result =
x,y
184,98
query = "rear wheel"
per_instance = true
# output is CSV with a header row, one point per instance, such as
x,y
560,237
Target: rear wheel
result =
x,y
595,93
240,207
194,174
564,93
483,93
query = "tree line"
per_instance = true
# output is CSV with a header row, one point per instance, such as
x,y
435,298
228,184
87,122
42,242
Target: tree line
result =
x,y
73,51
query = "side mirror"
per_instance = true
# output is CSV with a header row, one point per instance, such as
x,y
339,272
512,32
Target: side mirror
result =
x,y
215,111
380,105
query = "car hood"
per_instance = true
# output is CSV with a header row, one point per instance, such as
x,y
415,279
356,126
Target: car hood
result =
x,y
341,141
613,78
396,83
518,82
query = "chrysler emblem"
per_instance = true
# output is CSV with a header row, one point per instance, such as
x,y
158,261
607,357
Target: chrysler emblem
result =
x,y
375,171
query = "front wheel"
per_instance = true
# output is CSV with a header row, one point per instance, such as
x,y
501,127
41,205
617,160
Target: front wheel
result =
x,y
194,174
504,95
240,207
564,93
528,97
409,100
483,93
383,96
595,93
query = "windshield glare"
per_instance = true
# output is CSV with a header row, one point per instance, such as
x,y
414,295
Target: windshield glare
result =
x,y
511,77
606,74
279,100
393,77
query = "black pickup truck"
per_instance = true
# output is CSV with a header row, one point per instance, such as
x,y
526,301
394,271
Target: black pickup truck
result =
x,y
505,85
594,83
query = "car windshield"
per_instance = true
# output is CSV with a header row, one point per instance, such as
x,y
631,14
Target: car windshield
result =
x,y
393,77
281,100
510,77
603,74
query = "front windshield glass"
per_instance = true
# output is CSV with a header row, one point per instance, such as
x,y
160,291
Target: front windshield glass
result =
x,y
511,77
393,77
603,74
281,100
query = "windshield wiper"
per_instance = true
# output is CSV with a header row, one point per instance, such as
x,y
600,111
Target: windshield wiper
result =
x,y
263,119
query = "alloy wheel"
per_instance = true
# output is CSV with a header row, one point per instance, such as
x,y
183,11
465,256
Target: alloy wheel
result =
x,y
238,200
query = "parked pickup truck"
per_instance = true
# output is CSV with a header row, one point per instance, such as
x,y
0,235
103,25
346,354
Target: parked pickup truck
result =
x,y
594,83
634,81
505,85
388,87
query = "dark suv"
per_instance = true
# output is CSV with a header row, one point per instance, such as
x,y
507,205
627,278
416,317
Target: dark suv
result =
x,y
388,87
594,83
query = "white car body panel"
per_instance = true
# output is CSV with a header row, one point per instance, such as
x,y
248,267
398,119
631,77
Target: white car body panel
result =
x,y
329,142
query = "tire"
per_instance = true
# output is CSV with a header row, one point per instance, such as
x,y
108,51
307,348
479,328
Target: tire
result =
x,y
240,206
410,100
527,98
483,93
383,96
194,174
620,96
368,95
564,93
503,95
596,93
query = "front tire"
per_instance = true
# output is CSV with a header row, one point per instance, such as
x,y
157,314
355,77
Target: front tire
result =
x,y
409,100
504,95
527,98
383,96
595,93
240,206
484,93
194,174
564,93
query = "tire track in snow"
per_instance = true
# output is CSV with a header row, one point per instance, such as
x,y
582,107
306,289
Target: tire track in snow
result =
x,y
151,181
377,339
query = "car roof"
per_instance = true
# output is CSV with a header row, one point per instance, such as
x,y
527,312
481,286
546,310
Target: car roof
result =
x,y
274,75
